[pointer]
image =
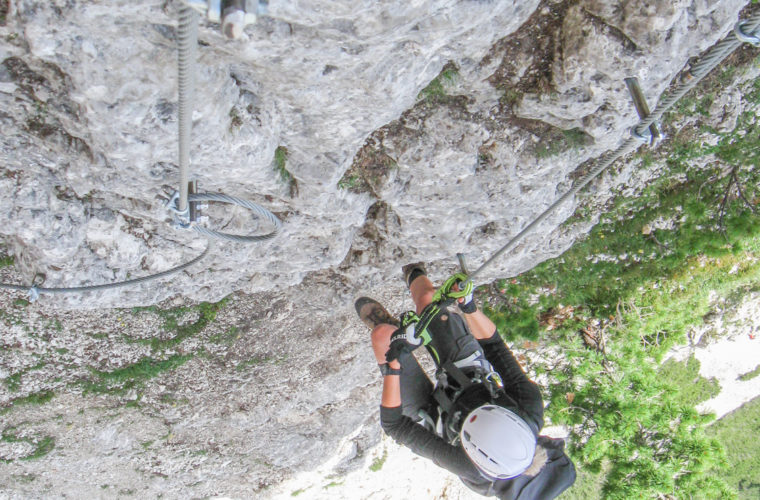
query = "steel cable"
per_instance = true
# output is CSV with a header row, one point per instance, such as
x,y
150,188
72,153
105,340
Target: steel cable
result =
x,y
187,39
34,290
257,209
698,71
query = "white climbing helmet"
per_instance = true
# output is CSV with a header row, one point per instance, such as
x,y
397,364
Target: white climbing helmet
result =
x,y
499,443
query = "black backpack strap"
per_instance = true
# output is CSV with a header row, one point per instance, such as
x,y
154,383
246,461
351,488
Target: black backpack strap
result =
x,y
457,374
444,402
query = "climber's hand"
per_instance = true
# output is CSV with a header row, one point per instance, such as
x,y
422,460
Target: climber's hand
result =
x,y
402,340
467,303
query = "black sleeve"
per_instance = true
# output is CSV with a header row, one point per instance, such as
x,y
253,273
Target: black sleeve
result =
x,y
516,384
426,444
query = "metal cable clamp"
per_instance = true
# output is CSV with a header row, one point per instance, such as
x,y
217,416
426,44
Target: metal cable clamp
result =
x,y
181,217
234,15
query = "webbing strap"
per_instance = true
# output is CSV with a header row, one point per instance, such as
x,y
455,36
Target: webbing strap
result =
x,y
444,402
457,374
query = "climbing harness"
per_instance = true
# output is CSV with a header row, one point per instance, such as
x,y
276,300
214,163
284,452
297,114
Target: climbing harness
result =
x,y
460,387
184,204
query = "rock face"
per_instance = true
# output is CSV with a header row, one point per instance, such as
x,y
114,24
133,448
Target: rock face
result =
x,y
413,130
89,132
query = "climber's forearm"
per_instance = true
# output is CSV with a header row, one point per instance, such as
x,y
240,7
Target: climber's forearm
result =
x,y
479,324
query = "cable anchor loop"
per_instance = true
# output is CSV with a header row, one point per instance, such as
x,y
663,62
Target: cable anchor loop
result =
x,y
743,36
646,137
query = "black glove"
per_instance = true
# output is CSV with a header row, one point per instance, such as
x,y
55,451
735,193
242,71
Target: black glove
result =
x,y
402,340
467,303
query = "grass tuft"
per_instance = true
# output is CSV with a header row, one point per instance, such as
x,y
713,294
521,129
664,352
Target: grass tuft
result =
x,y
207,312
436,89
750,375
42,445
378,463
132,376
280,161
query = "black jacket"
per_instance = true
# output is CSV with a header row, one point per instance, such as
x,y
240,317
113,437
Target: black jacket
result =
x,y
557,474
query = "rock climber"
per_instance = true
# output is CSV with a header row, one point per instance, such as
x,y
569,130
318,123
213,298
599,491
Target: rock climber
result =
x,y
482,418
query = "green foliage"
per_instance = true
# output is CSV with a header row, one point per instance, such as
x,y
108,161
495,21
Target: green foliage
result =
x,y
750,375
378,463
568,139
280,160
623,413
206,311
622,297
738,432
35,398
348,181
661,282
256,360
227,337
6,261
436,89
515,321
131,376
510,96
13,382
24,478
692,106
587,486
369,171
42,447
297,492
42,444
692,388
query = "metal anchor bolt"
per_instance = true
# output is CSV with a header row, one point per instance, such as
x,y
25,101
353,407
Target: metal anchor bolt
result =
x,y
655,135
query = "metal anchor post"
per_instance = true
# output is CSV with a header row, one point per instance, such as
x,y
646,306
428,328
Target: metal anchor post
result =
x,y
640,102
462,263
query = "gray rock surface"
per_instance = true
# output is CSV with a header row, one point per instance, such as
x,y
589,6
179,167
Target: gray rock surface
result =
x,y
385,173
89,132
90,109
